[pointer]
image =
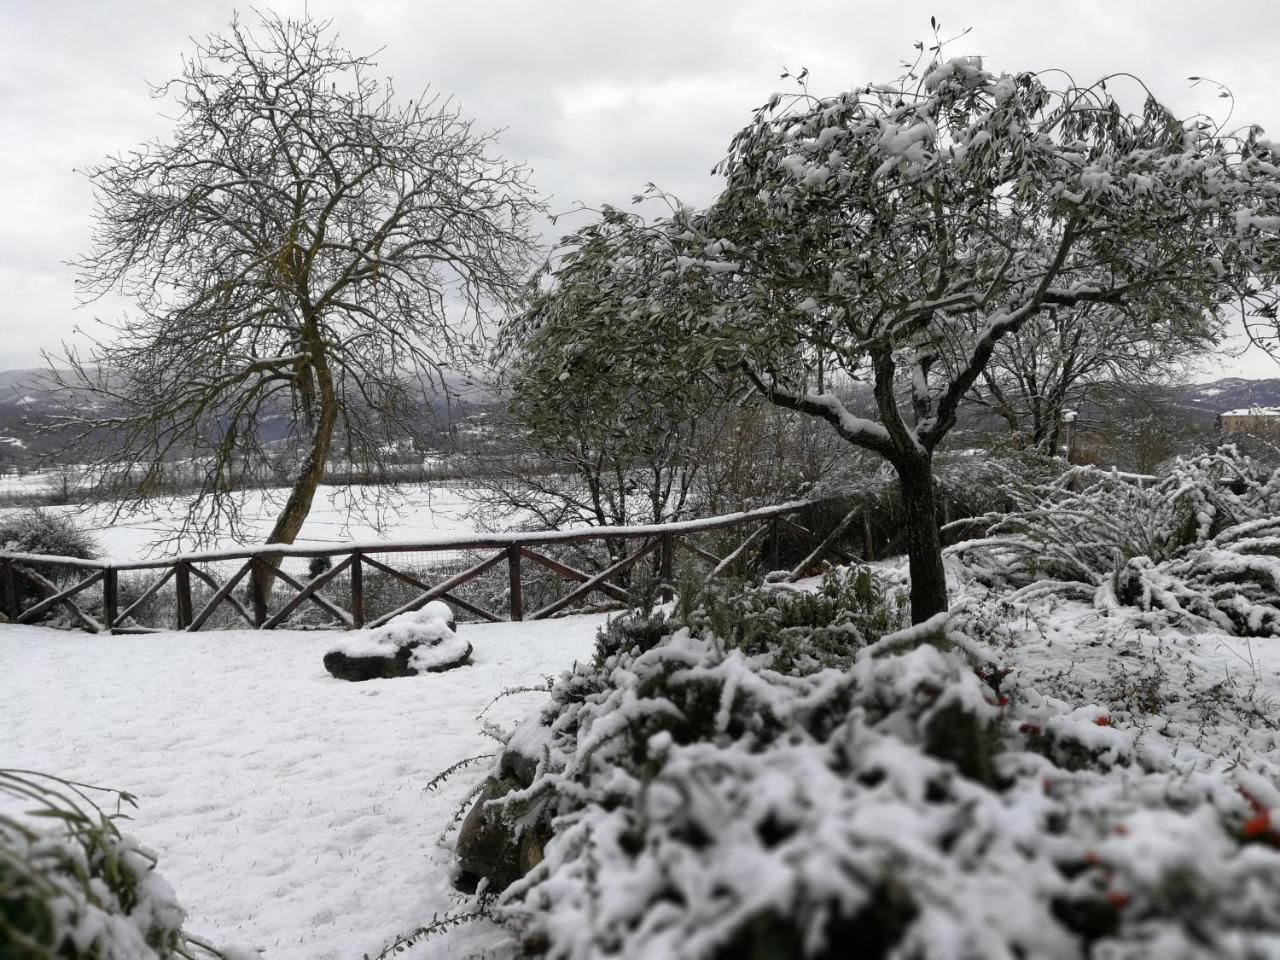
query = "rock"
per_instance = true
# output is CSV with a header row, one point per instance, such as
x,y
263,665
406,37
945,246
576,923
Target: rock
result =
x,y
421,641
524,749
487,842
487,846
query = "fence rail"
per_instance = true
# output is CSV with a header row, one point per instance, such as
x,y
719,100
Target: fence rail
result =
x,y
512,576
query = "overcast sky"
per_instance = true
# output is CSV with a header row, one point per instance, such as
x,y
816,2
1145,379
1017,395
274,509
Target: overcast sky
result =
x,y
599,97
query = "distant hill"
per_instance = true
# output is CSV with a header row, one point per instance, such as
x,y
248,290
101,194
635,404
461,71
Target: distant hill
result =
x,y
1231,393
29,403
26,402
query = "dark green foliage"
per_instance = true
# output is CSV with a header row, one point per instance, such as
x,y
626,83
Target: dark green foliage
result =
x,y
80,873
803,630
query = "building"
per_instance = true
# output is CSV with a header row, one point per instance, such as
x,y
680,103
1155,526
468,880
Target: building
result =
x,y
1258,421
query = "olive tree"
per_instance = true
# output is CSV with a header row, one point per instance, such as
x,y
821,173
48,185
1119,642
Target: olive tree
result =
x,y
305,248
938,214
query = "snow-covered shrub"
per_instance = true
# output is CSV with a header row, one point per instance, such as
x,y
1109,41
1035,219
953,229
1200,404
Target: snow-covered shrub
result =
x,y
72,887
45,532
1200,542
693,799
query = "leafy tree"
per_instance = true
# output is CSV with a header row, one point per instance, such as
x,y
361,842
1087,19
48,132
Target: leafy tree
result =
x,y
941,212
301,247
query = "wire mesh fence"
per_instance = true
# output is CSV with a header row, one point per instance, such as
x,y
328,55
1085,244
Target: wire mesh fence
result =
x,y
482,578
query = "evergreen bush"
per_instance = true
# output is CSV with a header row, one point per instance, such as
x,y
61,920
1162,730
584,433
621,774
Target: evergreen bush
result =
x,y
75,888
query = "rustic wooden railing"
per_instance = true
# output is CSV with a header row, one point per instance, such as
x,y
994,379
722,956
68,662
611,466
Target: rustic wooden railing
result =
x,y
199,590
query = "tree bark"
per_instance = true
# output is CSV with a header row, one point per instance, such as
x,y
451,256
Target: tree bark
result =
x,y
289,524
296,508
924,544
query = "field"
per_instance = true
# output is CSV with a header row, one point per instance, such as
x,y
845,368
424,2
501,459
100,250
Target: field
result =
x,y
408,512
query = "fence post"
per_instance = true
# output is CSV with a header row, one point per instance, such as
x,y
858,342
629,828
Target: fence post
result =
x,y
109,597
182,590
517,585
774,550
259,584
11,592
666,566
357,590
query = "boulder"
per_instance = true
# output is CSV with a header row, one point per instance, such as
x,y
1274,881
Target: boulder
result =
x,y
489,843
421,641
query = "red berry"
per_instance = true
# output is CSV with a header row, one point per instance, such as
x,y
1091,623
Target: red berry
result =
x,y
1257,825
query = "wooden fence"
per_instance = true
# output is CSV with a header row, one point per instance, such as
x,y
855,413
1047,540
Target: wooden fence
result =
x,y
199,590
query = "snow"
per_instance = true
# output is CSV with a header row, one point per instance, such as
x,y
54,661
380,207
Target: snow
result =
x,y
423,512
288,808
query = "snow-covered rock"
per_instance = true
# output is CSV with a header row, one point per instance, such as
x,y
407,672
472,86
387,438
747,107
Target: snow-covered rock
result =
x,y
420,641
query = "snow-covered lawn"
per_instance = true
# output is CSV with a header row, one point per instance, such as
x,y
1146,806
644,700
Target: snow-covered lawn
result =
x,y
288,808
412,511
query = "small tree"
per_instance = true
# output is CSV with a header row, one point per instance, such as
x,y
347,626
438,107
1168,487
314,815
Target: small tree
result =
x,y
606,436
943,211
300,249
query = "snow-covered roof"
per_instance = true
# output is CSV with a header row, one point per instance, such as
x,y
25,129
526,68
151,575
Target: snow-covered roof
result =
x,y
1252,412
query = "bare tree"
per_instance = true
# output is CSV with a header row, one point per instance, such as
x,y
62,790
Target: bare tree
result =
x,y
304,247
1093,354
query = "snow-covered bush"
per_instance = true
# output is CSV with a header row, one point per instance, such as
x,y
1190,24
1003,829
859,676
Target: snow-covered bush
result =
x,y
693,798
72,887
1199,543
44,532
47,532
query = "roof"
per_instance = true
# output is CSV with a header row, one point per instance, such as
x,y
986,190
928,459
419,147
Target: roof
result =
x,y
1252,412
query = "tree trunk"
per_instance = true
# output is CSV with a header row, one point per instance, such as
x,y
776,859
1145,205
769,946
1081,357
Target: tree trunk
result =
x,y
298,506
924,545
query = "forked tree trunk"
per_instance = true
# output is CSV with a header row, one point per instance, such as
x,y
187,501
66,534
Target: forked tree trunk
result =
x,y
924,543
319,382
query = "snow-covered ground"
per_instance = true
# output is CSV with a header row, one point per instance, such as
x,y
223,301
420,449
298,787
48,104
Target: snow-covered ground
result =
x,y
412,511
288,808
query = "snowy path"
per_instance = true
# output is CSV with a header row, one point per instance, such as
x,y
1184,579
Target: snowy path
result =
x,y
287,807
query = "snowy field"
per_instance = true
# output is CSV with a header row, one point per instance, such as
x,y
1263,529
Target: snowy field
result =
x,y
414,512
288,808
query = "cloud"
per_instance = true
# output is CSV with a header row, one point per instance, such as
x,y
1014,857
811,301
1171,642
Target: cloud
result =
x,y
598,97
